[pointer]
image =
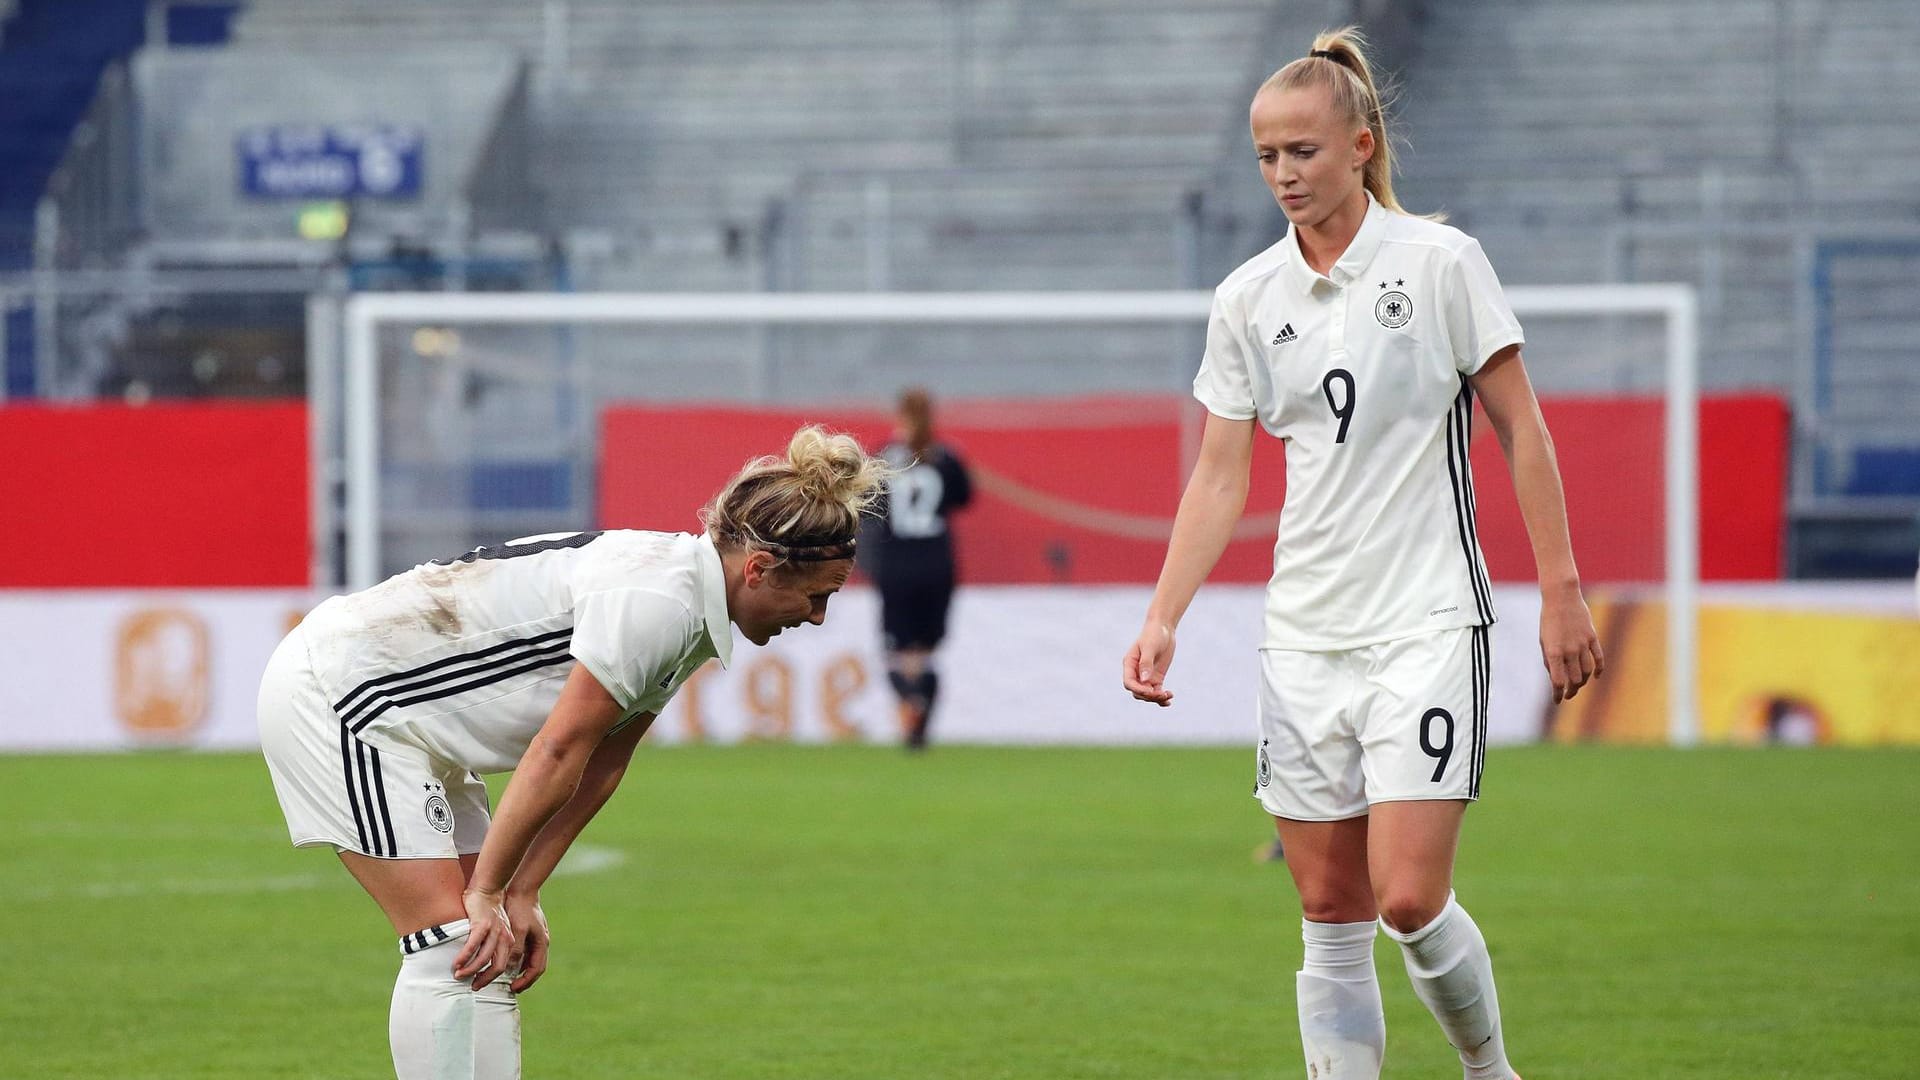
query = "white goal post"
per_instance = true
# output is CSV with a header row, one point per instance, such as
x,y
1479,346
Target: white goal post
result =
x,y
356,417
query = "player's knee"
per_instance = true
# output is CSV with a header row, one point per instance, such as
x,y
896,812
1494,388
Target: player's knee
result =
x,y
1407,912
1336,902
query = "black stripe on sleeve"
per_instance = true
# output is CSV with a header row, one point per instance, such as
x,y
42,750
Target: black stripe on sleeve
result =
x,y
345,705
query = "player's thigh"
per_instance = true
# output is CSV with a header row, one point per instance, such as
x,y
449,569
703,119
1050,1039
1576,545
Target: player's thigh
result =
x,y
413,893
439,813
909,662
1410,854
1421,715
1328,861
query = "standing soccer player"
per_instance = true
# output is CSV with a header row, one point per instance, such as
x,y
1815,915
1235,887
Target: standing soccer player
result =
x,y
1361,339
912,560
548,656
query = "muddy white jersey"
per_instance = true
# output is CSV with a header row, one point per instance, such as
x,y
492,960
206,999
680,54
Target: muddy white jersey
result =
x,y
463,659
1363,372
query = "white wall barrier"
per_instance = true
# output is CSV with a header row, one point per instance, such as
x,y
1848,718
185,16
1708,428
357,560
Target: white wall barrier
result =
x,y
106,669
114,669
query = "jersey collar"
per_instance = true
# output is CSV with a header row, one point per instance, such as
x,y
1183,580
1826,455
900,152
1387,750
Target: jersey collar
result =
x,y
1352,263
713,582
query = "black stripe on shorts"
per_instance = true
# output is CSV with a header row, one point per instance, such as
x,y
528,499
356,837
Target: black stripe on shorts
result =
x,y
1477,723
366,786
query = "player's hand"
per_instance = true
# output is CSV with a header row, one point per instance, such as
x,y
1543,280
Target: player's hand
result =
x,y
491,950
530,926
1568,645
1144,671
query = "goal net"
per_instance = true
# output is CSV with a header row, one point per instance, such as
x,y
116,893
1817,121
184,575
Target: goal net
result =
x,y
454,420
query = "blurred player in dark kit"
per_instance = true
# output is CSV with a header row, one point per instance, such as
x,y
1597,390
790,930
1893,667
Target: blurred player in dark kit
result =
x,y
909,552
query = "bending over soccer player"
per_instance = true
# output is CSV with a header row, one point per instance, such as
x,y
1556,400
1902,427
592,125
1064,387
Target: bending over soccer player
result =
x,y
548,656
1361,339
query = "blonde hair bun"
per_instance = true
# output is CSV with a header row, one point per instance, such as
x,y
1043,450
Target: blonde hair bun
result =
x,y
810,499
831,468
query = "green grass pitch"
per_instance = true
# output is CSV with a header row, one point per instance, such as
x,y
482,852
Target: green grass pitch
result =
x,y
854,913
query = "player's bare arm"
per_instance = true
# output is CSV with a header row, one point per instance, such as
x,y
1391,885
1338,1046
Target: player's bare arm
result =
x,y
602,776
1215,496
547,778
1568,644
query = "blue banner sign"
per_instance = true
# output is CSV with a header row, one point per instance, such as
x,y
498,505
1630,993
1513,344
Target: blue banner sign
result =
x,y
328,162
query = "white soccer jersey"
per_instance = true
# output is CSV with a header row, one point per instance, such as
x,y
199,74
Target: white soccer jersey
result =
x,y
464,659
1363,372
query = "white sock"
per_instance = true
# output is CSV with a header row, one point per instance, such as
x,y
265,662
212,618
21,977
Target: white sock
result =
x,y
1342,1028
440,1027
1452,973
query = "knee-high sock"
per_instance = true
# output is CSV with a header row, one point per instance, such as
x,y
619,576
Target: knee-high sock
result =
x,y
440,1028
1452,973
926,690
1342,1028
902,685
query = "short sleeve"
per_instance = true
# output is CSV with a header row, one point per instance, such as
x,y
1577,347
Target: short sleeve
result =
x,y
631,638
1224,384
958,491
1479,320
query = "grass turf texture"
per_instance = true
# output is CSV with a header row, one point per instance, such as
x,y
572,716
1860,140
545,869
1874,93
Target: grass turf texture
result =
x,y
850,912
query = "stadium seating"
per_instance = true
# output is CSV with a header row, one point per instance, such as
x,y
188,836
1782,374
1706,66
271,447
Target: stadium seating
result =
x,y
1759,151
51,55
1005,134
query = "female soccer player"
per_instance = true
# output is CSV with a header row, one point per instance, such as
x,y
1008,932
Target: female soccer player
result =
x,y
911,558
548,656
1361,339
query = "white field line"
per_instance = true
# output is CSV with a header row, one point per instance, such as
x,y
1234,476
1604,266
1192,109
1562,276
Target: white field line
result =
x,y
582,859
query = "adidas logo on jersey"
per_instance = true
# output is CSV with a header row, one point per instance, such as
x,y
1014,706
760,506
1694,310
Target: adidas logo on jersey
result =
x,y
1285,335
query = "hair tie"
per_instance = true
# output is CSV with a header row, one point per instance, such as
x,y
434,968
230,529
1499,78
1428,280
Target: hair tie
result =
x,y
1326,55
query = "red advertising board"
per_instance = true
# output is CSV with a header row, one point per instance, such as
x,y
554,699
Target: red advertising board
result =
x,y
176,495
1084,490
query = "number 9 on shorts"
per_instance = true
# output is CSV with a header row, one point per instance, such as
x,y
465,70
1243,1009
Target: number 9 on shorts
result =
x,y
1389,722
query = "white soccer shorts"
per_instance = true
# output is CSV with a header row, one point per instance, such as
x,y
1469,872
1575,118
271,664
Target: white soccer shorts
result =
x,y
335,789
1391,722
